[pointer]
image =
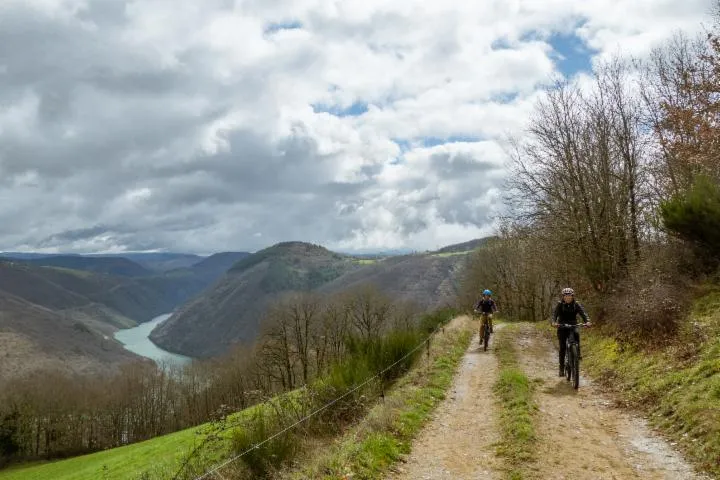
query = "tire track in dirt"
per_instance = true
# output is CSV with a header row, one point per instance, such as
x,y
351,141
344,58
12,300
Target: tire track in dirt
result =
x,y
458,443
601,440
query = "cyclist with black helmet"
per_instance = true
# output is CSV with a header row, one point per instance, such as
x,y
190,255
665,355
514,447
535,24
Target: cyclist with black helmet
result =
x,y
567,311
486,305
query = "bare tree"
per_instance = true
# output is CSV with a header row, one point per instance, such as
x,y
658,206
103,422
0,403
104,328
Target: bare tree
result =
x,y
369,310
304,311
579,173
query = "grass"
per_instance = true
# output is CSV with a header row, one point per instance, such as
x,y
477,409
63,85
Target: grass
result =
x,y
158,456
122,463
367,451
514,393
451,254
676,385
365,261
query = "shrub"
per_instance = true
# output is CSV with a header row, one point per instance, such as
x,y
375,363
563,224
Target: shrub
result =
x,y
264,459
695,216
365,365
439,317
649,305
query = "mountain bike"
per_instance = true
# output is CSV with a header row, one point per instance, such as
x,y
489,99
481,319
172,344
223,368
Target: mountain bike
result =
x,y
484,330
572,354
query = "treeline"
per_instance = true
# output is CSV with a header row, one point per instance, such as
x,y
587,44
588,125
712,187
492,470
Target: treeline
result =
x,y
615,190
53,415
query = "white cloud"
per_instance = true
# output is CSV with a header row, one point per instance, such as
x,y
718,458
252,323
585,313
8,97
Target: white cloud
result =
x,y
218,125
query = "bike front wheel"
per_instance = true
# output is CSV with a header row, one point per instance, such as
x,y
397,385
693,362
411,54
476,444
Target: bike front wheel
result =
x,y
568,363
575,367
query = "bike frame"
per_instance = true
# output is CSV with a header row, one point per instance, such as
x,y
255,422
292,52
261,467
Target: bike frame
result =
x,y
484,329
572,364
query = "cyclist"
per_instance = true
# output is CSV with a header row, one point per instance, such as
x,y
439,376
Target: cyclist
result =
x,y
486,305
567,311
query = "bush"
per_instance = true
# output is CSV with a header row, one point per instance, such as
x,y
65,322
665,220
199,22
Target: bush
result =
x,y
364,358
380,353
649,305
439,317
266,458
695,216
9,445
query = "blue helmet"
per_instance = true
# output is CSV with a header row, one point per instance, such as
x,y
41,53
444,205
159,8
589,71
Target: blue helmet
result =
x,y
487,292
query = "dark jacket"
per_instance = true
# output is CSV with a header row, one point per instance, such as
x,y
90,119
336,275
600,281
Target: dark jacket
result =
x,y
486,306
568,312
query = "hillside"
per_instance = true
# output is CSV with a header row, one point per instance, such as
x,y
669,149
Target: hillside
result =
x,y
33,337
230,311
218,264
50,301
162,262
61,289
465,246
108,265
428,280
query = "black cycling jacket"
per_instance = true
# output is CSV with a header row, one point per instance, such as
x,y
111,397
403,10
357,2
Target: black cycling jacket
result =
x,y
568,312
486,306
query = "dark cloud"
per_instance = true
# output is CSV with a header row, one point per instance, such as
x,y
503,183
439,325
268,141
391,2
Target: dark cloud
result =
x,y
70,236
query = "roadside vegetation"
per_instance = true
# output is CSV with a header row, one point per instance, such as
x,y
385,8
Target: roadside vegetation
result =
x,y
615,191
376,350
368,449
675,384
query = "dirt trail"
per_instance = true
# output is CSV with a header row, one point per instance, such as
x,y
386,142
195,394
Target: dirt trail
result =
x,y
606,442
458,442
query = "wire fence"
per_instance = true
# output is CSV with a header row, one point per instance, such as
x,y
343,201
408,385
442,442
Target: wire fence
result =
x,y
216,470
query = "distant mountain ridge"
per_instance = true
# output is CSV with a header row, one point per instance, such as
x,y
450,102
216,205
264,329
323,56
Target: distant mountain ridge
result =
x,y
217,300
230,311
156,261
108,265
465,246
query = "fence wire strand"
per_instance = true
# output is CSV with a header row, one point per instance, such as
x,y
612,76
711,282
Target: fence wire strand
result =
x,y
215,470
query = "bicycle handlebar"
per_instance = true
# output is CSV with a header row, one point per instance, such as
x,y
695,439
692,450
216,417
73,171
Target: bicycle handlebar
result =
x,y
568,325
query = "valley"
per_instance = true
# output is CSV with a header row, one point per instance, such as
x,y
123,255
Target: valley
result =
x,y
62,311
74,312
231,311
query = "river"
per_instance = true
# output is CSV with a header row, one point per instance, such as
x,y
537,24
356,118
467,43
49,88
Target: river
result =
x,y
136,340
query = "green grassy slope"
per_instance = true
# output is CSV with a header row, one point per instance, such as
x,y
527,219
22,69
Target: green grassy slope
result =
x,y
676,386
162,455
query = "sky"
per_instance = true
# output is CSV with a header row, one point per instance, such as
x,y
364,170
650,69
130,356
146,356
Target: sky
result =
x,y
216,125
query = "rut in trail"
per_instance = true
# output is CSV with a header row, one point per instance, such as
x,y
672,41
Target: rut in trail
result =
x,y
457,444
603,441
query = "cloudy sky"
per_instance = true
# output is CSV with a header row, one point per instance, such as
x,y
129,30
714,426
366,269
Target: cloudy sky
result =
x,y
208,125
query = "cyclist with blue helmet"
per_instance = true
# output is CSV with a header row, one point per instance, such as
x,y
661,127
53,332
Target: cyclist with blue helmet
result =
x,y
486,305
